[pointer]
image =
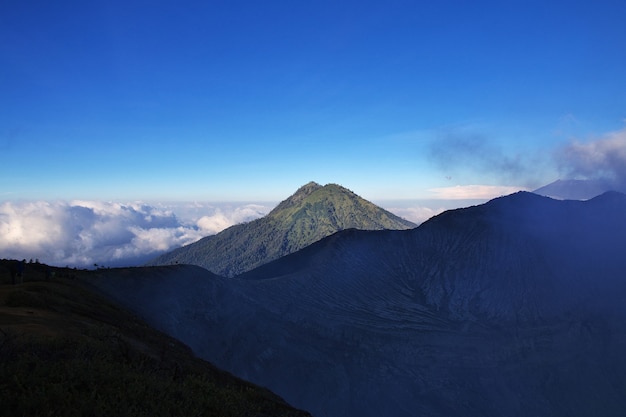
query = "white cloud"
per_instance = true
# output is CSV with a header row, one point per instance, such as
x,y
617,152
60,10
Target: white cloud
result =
x,y
81,233
418,214
220,219
214,223
467,192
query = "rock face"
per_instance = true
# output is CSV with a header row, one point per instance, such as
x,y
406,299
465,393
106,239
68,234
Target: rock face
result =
x,y
515,307
309,215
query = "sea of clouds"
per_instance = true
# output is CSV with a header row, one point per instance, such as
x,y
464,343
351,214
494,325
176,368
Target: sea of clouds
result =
x,y
86,233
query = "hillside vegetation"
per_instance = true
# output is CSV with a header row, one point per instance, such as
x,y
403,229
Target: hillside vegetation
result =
x,y
309,215
65,351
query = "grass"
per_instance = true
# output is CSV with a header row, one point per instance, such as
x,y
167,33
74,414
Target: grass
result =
x,y
65,351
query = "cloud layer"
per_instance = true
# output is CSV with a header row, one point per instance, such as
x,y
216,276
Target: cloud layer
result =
x,y
479,192
83,233
417,214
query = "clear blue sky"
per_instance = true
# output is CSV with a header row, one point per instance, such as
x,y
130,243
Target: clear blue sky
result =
x,y
247,100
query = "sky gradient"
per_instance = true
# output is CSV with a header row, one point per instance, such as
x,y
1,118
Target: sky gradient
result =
x,y
113,114
238,100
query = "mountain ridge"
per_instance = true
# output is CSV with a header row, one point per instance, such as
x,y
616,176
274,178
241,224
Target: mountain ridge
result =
x,y
311,213
300,194
513,307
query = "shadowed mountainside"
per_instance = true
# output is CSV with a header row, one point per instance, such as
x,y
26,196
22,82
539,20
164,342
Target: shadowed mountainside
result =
x,y
310,214
514,307
65,351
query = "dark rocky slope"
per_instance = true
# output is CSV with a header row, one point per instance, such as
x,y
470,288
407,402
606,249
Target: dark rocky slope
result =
x,y
65,351
514,307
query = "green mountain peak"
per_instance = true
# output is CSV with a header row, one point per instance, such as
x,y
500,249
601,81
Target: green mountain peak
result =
x,y
295,199
310,214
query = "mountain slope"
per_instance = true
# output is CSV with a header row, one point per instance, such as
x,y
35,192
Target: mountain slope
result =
x,y
514,307
65,351
309,215
574,189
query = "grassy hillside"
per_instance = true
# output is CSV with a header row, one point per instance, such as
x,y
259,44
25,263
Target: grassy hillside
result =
x,y
309,215
65,351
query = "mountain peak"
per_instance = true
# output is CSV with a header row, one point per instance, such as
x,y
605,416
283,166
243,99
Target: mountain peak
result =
x,y
310,214
295,199
308,188
333,207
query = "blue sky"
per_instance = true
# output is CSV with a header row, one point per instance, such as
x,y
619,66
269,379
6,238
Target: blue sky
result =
x,y
243,100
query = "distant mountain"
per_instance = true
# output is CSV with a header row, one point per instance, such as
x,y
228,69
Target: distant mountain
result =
x,y
310,214
510,308
574,189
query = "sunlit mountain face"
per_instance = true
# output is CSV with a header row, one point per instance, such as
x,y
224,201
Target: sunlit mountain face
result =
x,y
310,214
514,307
